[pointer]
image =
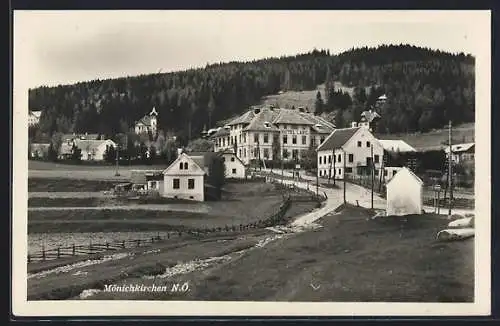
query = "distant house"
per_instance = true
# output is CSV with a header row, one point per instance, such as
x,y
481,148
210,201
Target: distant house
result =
x,y
353,144
84,136
368,119
396,145
461,153
34,117
39,150
92,150
235,168
184,179
404,193
148,123
149,180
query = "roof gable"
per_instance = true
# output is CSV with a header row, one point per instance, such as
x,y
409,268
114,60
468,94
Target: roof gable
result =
x,y
338,138
193,167
231,154
402,172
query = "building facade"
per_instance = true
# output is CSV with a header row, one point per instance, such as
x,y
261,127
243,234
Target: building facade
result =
x,y
272,133
350,148
92,150
235,168
148,123
184,179
34,117
404,193
461,153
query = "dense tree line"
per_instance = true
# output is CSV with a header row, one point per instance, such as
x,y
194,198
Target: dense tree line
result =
x,y
424,89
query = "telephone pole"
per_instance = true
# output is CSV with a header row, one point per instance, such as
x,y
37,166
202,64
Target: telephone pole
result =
x,y
372,170
345,201
449,167
117,158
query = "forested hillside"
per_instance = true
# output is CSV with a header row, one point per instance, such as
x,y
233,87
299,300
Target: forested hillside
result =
x,y
425,88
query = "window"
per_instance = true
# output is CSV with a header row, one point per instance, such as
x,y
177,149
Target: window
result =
x,y
368,144
394,173
232,158
244,152
348,170
244,137
294,139
351,158
320,160
313,141
329,159
153,184
339,158
340,171
285,139
181,166
185,165
239,152
176,183
266,138
295,154
266,153
256,138
234,171
359,143
377,158
304,140
321,140
190,183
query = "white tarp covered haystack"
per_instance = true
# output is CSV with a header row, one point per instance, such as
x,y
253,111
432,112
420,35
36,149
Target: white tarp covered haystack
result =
x,y
455,234
459,229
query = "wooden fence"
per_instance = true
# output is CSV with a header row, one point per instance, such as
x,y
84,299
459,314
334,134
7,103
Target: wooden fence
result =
x,y
94,248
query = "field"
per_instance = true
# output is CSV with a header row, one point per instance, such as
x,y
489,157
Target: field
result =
x,y
434,139
352,258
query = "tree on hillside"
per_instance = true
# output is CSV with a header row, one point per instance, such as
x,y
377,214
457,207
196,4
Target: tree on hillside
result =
x,y
318,105
76,154
110,154
56,141
52,153
217,174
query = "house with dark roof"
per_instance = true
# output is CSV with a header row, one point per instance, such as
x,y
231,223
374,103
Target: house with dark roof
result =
x,y
148,123
252,134
368,120
348,152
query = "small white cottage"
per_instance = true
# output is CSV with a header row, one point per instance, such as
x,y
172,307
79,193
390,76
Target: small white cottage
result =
x,y
184,179
404,193
235,168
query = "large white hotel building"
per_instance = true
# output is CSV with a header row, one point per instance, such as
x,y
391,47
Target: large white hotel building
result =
x,y
252,134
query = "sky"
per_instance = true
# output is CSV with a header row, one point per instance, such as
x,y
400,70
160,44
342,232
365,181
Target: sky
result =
x,y
62,47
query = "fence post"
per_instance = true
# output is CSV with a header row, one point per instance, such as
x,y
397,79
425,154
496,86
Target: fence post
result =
x,y
29,258
138,242
123,244
73,250
58,251
90,246
107,245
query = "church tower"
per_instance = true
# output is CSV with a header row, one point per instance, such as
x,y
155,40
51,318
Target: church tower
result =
x,y
154,121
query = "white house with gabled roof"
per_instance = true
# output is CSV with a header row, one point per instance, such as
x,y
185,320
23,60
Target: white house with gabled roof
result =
x,y
184,179
404,193
235,168
355,146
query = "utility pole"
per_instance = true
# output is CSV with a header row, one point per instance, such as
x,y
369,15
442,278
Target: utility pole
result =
x,y
117,158
449,168
372,170
345,201
330,169
317,182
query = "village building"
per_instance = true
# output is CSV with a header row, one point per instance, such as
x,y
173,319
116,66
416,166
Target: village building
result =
x,y
354,145
235,168
92,150
147,124
461,153
34,117
84,136
147,180
39,150
404,193
368,119
252,134
184,179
